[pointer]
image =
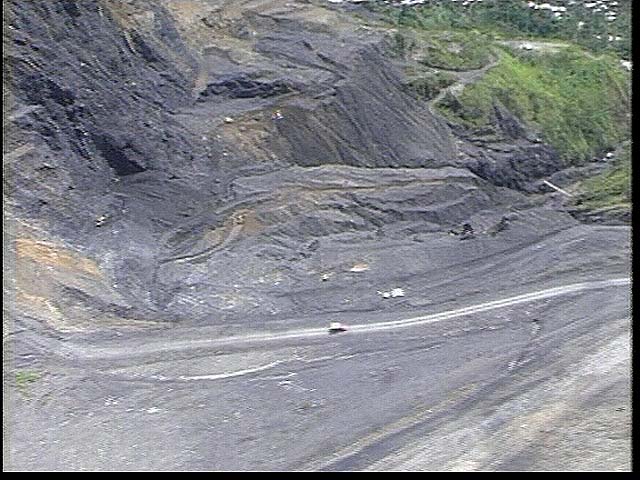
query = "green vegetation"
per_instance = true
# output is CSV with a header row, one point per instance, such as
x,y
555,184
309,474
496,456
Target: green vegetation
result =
x,y
429,84
24,378
437,55
570,87
444,49
579,102
455,50
512,19
611,188
578,97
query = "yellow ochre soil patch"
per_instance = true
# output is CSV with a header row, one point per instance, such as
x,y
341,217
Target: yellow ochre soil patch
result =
x,y
55,256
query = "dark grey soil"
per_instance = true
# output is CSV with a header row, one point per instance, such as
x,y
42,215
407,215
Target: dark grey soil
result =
x,y
192,169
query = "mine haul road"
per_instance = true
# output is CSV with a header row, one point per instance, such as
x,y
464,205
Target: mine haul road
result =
x,y
537,380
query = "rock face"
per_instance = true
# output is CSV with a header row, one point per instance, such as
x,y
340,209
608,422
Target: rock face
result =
x,y
203,155
93,96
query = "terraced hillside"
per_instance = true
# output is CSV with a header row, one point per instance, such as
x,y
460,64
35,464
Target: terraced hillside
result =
x,y
185,179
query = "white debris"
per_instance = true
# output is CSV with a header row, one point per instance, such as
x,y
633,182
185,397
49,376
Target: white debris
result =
x,y
101,220
609,155
153,410
359,267
626,64
325,277
277,115
393,293
556,188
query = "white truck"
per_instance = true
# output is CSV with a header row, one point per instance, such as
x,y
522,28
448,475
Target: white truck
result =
x,y
336,327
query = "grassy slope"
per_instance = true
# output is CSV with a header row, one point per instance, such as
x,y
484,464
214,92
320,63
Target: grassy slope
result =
x,y
511,19
438,55
611,188
578,97
579,102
